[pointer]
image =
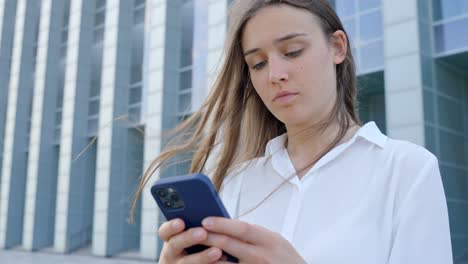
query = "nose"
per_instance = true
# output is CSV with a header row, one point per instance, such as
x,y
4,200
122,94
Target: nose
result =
x,y
278,71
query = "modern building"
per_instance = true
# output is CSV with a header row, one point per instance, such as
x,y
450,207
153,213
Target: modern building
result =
x,y
89,87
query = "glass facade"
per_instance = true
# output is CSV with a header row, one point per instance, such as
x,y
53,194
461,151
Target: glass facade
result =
x,y
96,66
136,74
450,26
61,69
362,20
184,93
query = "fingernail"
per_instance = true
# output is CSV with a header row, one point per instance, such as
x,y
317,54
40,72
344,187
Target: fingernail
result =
x,y
176,225
197,234
213,253
207,222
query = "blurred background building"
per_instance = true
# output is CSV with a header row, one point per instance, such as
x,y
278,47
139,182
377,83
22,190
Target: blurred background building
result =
x,y
87,88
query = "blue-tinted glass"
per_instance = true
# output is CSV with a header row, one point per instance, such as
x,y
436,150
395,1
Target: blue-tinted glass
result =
x,y
134,114
57,133
451,36
100,3
370,26
449,8
137,54
98,35
187,34
345,8
139,16
350,27
371,57
93,108
135,95
139,2
92,125
99,18
369,4
58,118
184,102
186,80
66,13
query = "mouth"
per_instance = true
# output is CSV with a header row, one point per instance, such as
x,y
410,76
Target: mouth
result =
x,y
284,96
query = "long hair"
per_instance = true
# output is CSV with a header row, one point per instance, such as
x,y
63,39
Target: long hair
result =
x,y
233,111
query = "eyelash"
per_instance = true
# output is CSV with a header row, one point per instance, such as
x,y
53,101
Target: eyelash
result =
x,y
292,54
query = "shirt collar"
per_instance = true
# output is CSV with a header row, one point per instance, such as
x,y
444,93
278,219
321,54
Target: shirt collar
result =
x,y
369,132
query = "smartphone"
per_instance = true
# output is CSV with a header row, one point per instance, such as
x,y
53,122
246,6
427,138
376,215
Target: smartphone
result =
x,y
191,198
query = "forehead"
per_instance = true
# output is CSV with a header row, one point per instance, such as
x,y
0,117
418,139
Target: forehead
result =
x,y
275,21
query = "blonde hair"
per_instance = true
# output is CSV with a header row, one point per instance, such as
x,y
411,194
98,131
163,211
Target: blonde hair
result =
x,y
234,119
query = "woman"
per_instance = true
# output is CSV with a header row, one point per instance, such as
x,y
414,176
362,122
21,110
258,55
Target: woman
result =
x,y
303,181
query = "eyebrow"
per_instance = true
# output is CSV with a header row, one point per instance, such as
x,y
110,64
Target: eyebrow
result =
x,y
277,41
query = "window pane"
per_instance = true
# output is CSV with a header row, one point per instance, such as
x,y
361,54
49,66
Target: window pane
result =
x,y
370,26
451,36
134,114
57,133
139,16
93,107
350,27
98,35
449,8
58,118
99,18
100,3
369,4
345,8
64,37
92,125
139,2
186,80
184,102
137,54
135,95
371,56
187,34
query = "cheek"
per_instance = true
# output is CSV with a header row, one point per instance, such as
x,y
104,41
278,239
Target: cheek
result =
x,y
260,87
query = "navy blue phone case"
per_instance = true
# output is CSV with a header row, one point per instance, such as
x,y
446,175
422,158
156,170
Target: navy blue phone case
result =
x,y
200,198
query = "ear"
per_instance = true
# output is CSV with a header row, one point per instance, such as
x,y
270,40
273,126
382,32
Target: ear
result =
x,y
339,43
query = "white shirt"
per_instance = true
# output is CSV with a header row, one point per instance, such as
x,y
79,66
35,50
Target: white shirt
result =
x,y
370,200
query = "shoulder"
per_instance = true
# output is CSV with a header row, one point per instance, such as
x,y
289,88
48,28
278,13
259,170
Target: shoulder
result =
x,y
414,172
407,154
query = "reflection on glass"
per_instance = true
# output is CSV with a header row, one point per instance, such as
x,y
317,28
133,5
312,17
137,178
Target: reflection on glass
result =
x,y
135,95
443,9
185,80
184,102
370,26
371,56
187,34
451,36
350,27
345,8
136,61
368,4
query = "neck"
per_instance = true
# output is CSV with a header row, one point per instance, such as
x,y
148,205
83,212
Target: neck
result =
x,y
305,144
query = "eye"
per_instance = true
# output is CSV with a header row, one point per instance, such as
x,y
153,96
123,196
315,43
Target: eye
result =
x,y
294,53
259,66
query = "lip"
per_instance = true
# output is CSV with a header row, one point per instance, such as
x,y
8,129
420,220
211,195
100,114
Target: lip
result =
x,y
284,95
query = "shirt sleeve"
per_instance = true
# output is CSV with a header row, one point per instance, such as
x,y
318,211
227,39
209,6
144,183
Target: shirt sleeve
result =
x,y
421,232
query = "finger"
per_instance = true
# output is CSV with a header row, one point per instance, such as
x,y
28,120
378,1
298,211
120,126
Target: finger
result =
x,y
232,246
209,255
238,229
191,237
171,228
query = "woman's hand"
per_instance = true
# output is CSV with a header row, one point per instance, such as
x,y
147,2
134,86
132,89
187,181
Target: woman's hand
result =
x,y
176,240
249,243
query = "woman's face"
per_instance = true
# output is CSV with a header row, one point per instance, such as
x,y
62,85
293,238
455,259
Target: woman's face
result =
x,y
292,63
